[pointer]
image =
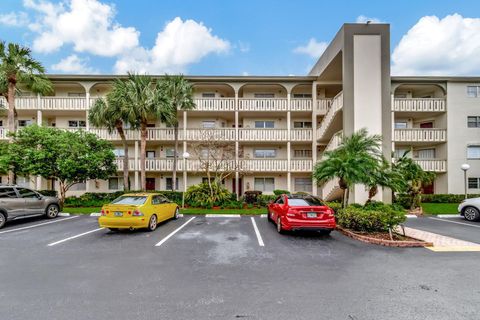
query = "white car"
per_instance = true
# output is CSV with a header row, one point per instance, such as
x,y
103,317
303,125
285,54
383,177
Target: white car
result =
x,y
470,209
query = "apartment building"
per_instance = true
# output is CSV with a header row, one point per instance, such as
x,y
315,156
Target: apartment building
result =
x,y
280,126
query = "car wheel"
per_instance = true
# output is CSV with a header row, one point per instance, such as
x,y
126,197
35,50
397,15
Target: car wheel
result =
x,y
152,224
52,211
176,214
269,218
279,226
3,219
471,214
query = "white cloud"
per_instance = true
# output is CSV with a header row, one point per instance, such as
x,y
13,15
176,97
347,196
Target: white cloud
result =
x,y
74,64
365,19
14,19
313,48
434,46
179,44
86,24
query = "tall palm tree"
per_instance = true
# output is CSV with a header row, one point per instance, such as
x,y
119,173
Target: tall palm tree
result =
x,y
352,162
384,176
111,113
177,94
18,67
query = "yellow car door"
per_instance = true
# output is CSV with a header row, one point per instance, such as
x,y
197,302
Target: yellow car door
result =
x,y
168,207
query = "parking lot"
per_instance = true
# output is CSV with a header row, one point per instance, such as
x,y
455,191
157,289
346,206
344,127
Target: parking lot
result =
x,y
227,268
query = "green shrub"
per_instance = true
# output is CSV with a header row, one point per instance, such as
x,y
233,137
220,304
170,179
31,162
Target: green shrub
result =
x,y
48,193
279,192
98,199
380,219
264,199
334,205
251,197
446,198
199,195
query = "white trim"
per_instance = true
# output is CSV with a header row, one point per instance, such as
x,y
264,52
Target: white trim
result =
x,y
446,216
173,233
257,232
222,216
462,223
37,225
73,237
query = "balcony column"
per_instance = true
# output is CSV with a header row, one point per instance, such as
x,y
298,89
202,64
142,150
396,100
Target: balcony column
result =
x,y
314,134
237,146
289,156
393,123
87,98
135,166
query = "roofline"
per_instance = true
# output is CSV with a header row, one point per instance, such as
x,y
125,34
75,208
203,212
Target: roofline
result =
x,y
435,78
110,77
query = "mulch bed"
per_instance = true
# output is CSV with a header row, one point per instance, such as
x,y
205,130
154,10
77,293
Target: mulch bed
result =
x,y
383,239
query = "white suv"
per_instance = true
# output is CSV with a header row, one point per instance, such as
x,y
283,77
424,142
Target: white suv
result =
x,y
470,209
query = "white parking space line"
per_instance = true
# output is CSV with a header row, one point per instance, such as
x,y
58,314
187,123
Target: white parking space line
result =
x,y
257,232
38,225
462,223
74,237
173,233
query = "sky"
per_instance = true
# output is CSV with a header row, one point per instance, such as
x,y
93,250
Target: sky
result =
x,y
248,37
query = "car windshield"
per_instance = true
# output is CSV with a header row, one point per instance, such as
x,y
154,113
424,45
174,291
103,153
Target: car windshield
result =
x,y
307,201
130,200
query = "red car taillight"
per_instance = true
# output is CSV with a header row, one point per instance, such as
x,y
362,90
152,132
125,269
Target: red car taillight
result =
x,y
103,213
330,213
137,213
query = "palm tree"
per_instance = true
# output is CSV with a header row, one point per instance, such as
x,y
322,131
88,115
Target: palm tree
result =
x,y
383,176
18,67
352,162
111,112
414,176
177,94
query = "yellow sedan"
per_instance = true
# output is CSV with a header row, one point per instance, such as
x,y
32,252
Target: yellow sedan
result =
x,y
137,210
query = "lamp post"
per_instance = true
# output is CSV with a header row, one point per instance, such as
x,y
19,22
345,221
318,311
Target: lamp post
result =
x,y
465,168
185,155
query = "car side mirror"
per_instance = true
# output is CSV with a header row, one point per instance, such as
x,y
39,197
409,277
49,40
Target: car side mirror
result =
x,y
39,196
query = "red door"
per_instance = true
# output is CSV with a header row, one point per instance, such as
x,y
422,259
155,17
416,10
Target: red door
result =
x,y
426,125
428,189
150,184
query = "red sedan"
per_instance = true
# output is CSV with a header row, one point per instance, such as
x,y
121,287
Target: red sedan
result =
x,y
301,212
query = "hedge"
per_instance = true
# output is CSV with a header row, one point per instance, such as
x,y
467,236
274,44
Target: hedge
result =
x,y
98,199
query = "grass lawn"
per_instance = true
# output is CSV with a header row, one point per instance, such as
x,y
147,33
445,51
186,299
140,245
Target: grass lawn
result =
x,y
88,210
440,208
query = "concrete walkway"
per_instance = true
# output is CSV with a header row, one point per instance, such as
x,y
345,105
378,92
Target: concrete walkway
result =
x,y
441,243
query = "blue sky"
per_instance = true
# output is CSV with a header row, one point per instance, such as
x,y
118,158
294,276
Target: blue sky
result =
x,y
234,37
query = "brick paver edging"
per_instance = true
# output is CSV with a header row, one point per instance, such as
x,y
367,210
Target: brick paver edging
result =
x,y
386,243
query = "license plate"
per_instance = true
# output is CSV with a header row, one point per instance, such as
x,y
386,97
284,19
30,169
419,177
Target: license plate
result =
x,y
311,214
118,214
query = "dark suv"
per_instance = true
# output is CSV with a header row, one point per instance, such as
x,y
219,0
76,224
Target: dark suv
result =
x,y
18,202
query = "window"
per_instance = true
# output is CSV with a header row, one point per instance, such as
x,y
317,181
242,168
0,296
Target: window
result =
x,y
302,124
1,123
208,95
24,123
473,91
269,124
279,201
302,153
210,124
303,184
473,152
169,152
401,152
302,95
130,200
23,182
264,184
119,152
425,154
7,193
82,186
305,201
150,154
472,122
473,183
150,125
26,193
115,184
264,95
77,124
401,125
265,153
76,94
169,183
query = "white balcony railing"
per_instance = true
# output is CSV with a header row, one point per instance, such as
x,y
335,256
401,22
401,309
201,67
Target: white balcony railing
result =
x,y
419,104
220,104
272,104
301,104
335,141
323,105
224,134
262,134
432,165
336,106
420,135
329,189
245,165
301,134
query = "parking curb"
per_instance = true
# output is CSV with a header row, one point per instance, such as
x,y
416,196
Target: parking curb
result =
x,y
223,216
410,216
448,216
64,214
95,214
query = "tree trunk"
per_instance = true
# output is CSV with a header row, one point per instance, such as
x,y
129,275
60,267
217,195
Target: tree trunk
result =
x,y
372,192
63,192
143,143
12,81
119,127
175,159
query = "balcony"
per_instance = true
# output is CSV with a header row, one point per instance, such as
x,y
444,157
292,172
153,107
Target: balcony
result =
x,y
271,104
432,165
336,106
323,105
244,165
223,104
420,135
419,105
50,103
